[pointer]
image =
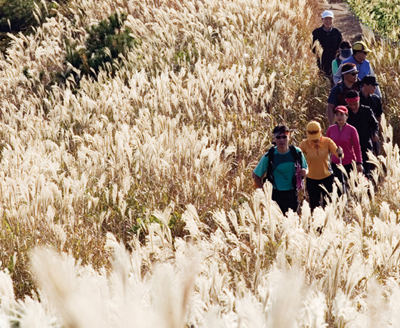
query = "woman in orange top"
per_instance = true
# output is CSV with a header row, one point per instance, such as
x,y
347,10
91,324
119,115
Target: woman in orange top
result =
x,y
317,149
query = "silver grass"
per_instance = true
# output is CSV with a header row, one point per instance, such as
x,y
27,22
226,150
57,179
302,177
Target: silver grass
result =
x,y
284,299
149,135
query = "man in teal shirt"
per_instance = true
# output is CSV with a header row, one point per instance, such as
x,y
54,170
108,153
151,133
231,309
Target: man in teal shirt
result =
x,y
281,171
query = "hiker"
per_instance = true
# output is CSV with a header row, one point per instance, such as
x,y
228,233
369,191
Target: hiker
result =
x,y
329,37
279,166
368,96
344,53
370,99
345,136
317,149
363,119
338,93
359,58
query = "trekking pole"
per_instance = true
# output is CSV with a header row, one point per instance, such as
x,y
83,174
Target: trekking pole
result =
x,y
343,182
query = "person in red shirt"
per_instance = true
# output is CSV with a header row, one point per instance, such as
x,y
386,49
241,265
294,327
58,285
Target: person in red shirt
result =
x,y
345,136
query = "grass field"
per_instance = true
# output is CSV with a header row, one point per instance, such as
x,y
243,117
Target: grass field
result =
x,y
382,16
127,199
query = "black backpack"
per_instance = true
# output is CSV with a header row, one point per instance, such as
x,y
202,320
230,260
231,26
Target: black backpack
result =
x,y
271,167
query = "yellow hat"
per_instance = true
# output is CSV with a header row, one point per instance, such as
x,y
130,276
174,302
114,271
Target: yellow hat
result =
x,y
361,46
313,130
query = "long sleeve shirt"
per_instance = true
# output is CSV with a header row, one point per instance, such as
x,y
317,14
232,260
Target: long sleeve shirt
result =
x,y
374,102
317,155
366,124
347,138
330,41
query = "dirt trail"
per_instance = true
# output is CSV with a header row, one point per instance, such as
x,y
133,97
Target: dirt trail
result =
x,y
345,20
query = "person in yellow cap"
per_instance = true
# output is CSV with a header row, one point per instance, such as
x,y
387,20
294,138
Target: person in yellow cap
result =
x,y
317,149
359,58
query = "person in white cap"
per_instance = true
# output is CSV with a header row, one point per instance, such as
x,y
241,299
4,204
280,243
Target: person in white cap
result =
x,y
338,93
330,38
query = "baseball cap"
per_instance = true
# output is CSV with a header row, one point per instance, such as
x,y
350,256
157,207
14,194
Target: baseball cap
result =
x,y
327,13
281,128
361,46
342,109
313,130
369,79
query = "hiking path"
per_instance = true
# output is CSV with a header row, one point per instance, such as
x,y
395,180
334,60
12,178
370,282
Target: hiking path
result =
x,y
345,20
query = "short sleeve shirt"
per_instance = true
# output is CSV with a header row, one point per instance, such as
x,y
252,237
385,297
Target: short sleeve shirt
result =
x,y
338,93
283,168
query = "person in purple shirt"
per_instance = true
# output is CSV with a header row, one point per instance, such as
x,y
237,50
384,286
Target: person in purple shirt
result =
x,y
345,136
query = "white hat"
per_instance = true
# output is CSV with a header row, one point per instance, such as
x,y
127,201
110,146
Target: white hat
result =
x,y
327,13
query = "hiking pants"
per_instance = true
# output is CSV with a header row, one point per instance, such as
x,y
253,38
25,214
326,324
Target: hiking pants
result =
x,y
338,174
285,199
368,167
315,191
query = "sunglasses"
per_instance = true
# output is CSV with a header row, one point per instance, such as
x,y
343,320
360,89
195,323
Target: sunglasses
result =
x,y
312,132
354,74
365,53
281,137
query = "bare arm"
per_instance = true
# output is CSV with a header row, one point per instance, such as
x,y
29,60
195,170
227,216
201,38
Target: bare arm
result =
x,y
257,180
329,113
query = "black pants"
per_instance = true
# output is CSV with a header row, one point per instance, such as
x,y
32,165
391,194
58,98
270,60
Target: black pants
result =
x,y
338,173
368,167
315,191
285,199
377,147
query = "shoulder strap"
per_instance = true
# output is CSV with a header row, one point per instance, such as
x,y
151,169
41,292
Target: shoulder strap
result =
x,y
297,163
270,167
296,155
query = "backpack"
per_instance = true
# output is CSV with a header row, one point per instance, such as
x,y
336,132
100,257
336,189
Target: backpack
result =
x,y
297,164
338,61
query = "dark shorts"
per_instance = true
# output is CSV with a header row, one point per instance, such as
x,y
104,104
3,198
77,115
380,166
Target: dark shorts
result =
x,y
285,199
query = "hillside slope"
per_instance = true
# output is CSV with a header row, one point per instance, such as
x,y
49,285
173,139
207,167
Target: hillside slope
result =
x,y
141,179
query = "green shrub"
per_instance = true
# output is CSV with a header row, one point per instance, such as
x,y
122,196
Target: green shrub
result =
x,y
19,16
382,17
106,42
16,15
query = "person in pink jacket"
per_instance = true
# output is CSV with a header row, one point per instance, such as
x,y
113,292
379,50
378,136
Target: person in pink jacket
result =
x,y
345,136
